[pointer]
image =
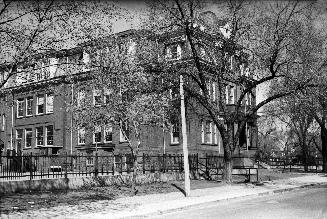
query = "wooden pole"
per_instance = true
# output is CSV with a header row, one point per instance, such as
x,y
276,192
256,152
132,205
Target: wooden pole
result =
x,y
185,150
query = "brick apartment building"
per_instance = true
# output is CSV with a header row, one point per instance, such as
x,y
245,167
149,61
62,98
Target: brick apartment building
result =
x,y
34,115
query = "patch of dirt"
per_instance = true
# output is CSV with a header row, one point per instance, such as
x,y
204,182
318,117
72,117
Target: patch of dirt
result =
x,y
36,200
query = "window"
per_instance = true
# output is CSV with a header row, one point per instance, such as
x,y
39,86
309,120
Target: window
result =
x,y
81,98
107,96
209,132
40,104
53,67
124,131
81,136
242,69
214,93
96,97
19,139
49,103
39,136
108,133
28,138
89,161
97,134
20,108
86,61
175,133
248,99
29,106
3,122
174,51
45,69
230,94
49,135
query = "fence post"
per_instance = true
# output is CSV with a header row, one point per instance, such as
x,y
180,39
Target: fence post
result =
x,y
96,170
163,163
31,166
143,163
66,165
197,163
207,172
113,165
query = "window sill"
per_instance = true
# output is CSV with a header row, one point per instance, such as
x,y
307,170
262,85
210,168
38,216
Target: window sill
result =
x,y
209,144
29,116
19,117
174,143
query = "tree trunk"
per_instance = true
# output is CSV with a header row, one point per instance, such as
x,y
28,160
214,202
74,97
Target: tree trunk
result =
x,y
228,160
134,159
323,135
304,156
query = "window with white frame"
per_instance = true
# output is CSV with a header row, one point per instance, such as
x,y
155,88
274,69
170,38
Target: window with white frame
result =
x,y
49,135
124,131
89,161
81,136
86,61
40,104
29,106
242,69
46,69
53,67
49,103
20,108
175,133
207,132
174,51
108,133
107,96
19,138
97,134
209,87
3,122
97,97
28,138
39,137
230,94
214,94
81,98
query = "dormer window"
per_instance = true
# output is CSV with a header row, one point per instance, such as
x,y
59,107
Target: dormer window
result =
x,y
174,52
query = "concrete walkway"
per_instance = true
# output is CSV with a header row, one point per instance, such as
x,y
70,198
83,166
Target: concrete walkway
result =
x,y
156,203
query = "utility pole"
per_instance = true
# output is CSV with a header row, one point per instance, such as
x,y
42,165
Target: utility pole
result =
x,y
185,150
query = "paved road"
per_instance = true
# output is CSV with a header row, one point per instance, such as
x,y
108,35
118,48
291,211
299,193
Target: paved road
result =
x,y
305,203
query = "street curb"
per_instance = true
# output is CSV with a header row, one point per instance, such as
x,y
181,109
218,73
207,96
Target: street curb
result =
x,y
272,192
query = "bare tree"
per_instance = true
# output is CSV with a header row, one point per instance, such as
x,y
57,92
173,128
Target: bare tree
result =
x,y
261,44
126,97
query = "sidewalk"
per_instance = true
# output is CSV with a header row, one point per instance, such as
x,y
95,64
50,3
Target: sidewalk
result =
x,y
157,203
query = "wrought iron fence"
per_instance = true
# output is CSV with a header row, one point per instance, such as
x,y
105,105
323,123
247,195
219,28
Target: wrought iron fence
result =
x,y
31,166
